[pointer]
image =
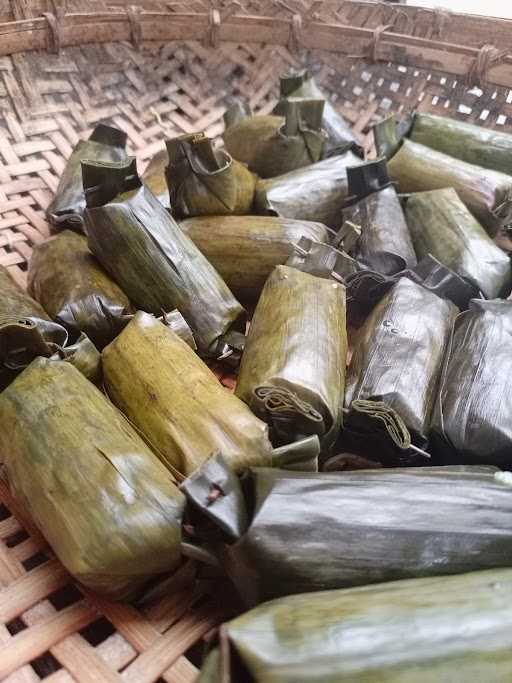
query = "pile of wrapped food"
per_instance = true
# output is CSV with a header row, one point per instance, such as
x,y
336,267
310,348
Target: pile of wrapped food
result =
x,y
342,481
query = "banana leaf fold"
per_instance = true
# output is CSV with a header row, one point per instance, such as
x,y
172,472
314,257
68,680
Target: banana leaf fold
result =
x,y
441,225
106,505
418,168
412,631
72,287
273,145
472,419
203,181
313,193
292,373
299,84
66,210
159,268
245,249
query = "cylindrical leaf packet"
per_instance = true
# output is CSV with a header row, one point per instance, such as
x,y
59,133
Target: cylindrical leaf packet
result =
x,y
292,372
303,532
107,506
203,181
487,147
313,193
412,631
74,289
441,225
159,268
245,249
417,168
154,178
273,145
472,419
66,210
177,403
397,359
300,84
383,243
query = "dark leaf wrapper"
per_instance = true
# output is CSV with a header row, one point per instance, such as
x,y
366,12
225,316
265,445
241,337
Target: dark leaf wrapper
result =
x,y
287,381
72,287
245,250
66,210
155,263
154,178
106,505
473,413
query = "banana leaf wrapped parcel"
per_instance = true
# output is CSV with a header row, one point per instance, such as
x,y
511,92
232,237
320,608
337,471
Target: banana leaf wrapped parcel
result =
x,y
154,177
245,249
159,268
313,193
417,168
107,506
300,84
177,403
73,288
382,242
441,225
301,532
472,419
292,373
67,207
396,366
411,631
273,145
203,181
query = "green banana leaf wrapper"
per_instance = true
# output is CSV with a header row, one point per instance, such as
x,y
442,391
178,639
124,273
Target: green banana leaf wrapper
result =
x,y
245,249
381,242
141,246
154,178
107,506
273,145
300,532
177,403
72,287
485,147
66,210
301,85
412,631
206,182
294,385
441,225
322,260
472,419
314,193
397,362
417,168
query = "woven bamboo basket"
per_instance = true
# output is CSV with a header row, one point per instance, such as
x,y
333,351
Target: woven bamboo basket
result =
x,y
156,70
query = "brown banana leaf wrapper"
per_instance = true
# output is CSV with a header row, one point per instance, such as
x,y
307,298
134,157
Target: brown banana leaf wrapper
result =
x,y
72,287
314,193
411,631
292,372
301,85
154,178
396,365
152,260
107,506
206,182
417,168
472,419
306,532
177,403
382,242
273,145
244,250
485,147
441,225
66,210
